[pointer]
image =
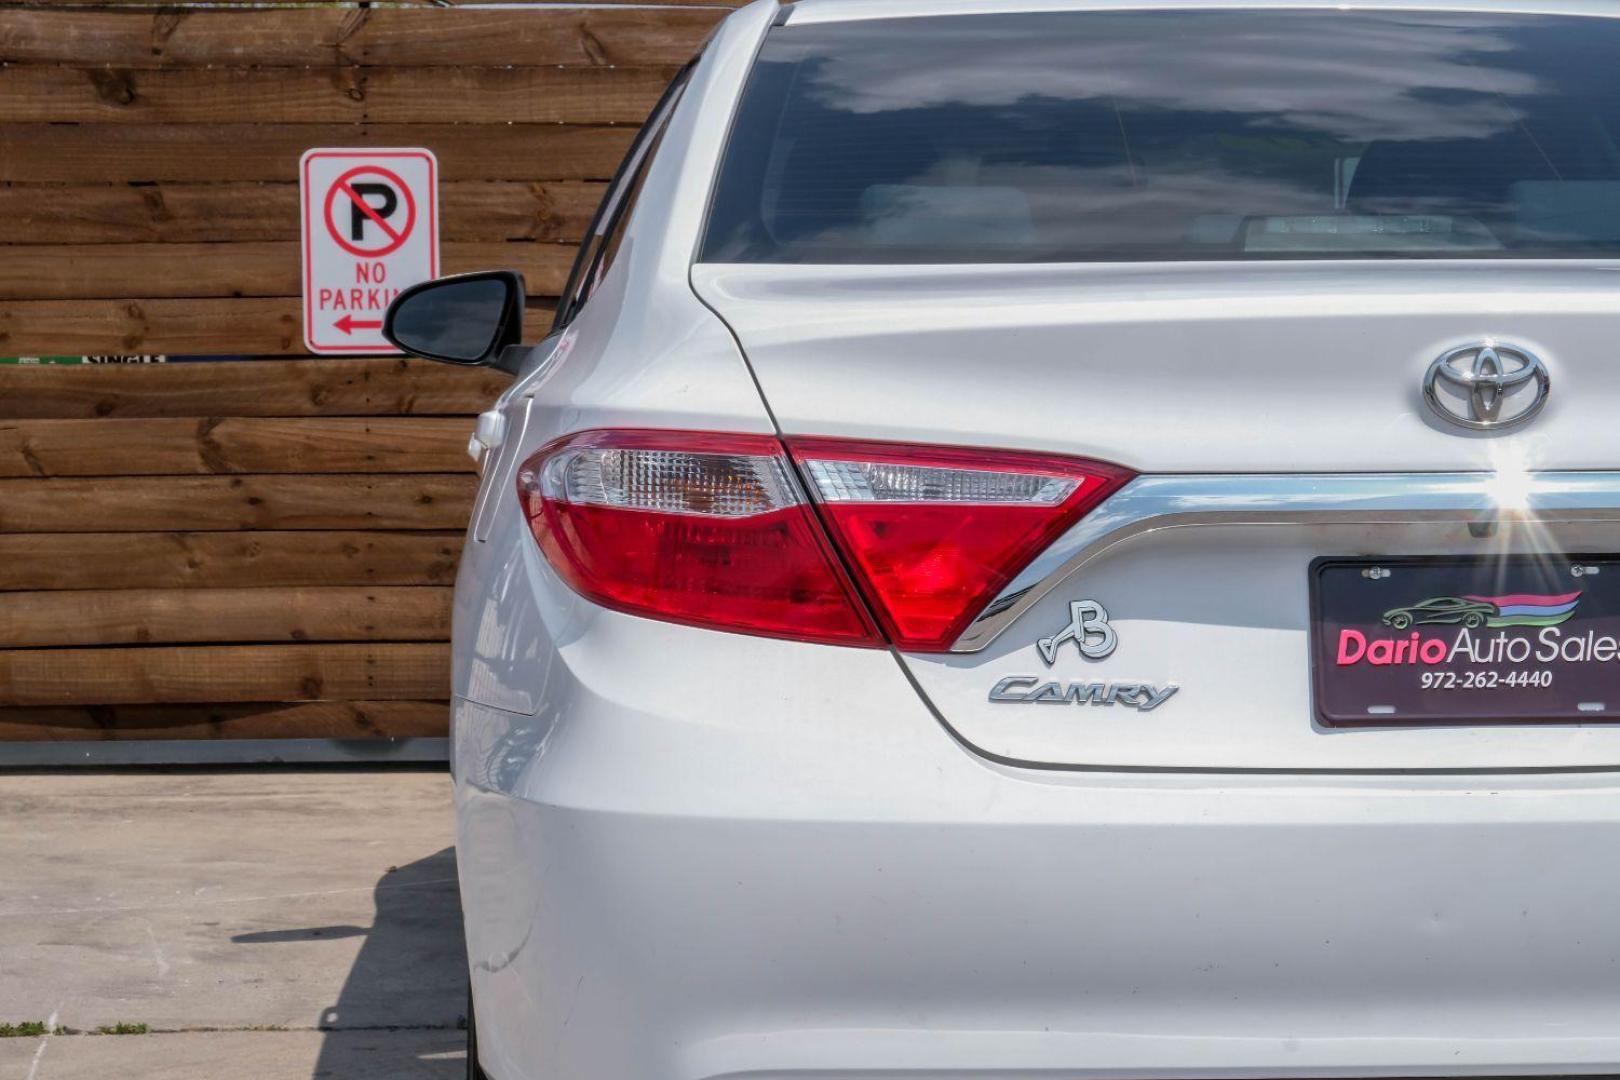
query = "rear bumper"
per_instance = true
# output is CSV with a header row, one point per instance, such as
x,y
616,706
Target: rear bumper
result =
x,y
861,897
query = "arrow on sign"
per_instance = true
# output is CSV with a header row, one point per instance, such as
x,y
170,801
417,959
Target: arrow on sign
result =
x,y
349,324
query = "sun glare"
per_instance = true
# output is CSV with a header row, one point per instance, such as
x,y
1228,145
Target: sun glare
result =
x,y
1510,486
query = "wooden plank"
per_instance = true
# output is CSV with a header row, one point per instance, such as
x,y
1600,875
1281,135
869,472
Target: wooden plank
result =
x,y
112,271
177,560
301,720
329,36
525,3
128,327
391,387
217,503
118,153
163,675
444,95
60,5
219,616
212,445
248,211
251,326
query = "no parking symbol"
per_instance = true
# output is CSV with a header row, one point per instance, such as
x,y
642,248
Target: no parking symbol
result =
x,y
371,229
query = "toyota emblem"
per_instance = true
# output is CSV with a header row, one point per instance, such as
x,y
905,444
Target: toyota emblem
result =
x,y
1487,387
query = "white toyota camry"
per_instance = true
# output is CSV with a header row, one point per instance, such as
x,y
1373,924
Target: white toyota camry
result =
x,y
1060,538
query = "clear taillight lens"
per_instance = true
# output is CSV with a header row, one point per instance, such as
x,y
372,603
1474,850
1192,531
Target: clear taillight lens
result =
x,y
932,534
712,530
698,528
893,482
698,484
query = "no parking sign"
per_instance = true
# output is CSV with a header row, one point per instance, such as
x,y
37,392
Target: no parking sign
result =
x,y
371,229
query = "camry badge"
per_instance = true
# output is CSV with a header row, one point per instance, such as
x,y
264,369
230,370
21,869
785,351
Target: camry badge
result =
x,y
1488,386
1031,690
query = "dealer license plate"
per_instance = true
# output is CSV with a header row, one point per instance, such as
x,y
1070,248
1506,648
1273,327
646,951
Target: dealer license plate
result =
x,y
1460,641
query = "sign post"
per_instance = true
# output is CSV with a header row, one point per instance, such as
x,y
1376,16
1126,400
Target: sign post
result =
x,y
371,229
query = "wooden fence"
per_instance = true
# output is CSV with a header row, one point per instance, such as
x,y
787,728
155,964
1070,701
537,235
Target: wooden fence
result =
x,y
261,549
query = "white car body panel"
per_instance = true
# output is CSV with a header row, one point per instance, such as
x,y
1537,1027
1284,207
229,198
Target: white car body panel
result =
x,y
671,873
688,855
1156,366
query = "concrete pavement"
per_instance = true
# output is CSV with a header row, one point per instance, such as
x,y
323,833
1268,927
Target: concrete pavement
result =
x,y
305,922
352,1055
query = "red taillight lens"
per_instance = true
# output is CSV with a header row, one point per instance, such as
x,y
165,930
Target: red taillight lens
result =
x,y
712,530
933,534
703,529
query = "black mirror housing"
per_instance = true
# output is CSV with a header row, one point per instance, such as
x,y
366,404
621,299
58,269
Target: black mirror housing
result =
x,y
469,319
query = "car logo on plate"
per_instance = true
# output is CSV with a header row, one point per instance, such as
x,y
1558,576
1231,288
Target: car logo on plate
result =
x,y
1488,386
1519,609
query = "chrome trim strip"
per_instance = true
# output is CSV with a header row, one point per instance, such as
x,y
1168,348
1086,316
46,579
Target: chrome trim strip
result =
x,y
1150,503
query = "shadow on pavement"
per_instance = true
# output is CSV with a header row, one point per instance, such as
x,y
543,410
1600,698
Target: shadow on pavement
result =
x,y
402,1008
272,937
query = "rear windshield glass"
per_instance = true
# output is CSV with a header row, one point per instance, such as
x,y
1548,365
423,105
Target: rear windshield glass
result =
x,y
1088,136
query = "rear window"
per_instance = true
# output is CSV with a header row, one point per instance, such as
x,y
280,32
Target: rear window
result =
x,y
1094,136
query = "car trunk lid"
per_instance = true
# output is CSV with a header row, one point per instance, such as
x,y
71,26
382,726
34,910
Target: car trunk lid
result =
x,y
1276,412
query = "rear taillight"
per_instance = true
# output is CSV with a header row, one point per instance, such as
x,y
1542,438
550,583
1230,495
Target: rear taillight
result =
x,y
712,529
697,528
932,534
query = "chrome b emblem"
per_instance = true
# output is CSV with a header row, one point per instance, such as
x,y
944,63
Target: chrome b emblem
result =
x,y
1487,387
1089,630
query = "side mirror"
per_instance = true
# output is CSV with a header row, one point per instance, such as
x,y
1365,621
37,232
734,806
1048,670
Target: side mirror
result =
x,y
471,319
